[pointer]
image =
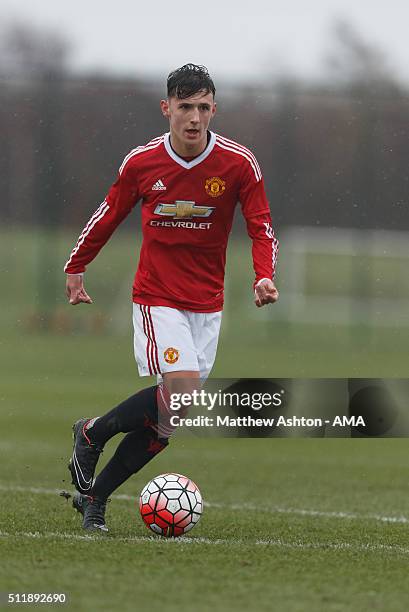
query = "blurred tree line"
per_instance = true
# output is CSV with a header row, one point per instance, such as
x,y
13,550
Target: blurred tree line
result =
x,y
333,153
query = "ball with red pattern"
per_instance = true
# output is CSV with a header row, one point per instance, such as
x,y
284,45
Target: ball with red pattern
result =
x,y
170,505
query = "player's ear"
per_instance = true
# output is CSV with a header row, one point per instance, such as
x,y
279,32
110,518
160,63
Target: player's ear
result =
x,y
214,109
164,105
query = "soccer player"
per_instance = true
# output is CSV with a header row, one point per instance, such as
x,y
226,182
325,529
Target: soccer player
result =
x,y
188,182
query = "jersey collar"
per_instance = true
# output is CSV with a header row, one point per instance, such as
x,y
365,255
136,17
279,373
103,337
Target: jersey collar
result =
x,y
194,162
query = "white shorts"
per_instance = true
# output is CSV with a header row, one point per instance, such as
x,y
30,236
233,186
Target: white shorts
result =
x,y
171,340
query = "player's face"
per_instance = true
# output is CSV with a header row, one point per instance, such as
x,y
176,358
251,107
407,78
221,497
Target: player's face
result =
x,y
189,119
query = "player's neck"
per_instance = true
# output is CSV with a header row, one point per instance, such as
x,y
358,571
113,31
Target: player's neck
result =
x,y
186,149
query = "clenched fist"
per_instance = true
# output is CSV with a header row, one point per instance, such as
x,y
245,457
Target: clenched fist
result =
x,y
265,293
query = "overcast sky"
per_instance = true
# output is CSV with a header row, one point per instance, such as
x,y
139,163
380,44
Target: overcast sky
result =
x,y
237,39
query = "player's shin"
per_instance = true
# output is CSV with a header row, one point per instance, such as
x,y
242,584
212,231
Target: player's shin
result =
x,y
133,453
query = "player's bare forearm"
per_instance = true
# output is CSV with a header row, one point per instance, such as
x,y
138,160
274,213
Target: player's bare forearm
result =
x,y
75,290
265,292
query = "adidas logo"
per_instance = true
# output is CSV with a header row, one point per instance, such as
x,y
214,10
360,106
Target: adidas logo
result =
x,y
158,186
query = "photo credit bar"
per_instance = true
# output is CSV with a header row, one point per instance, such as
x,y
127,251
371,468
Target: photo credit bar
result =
x,y
289,407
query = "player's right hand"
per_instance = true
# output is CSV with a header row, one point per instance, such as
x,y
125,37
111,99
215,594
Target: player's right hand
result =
x,y
75,290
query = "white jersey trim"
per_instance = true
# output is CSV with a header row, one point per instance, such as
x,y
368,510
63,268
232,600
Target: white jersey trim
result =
x,y
98,214
274,246
236,145
141,149
244,153
194,162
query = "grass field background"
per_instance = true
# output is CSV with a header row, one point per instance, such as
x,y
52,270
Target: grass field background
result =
x,y
290,524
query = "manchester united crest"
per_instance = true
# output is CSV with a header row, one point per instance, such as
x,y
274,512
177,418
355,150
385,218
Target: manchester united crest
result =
x,y
215,186
171,355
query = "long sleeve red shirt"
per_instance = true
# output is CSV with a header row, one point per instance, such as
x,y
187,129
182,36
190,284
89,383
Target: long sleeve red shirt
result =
x,y
187,214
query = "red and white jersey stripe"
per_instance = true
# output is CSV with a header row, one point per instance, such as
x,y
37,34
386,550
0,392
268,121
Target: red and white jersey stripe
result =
x,y
151,145
230,145
98,214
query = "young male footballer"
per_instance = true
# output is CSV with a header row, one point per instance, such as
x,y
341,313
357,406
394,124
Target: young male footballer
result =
x,y
188,182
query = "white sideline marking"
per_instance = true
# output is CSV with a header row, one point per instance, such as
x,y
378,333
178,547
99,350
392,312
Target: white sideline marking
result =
x,y
320,513
240,507
192,540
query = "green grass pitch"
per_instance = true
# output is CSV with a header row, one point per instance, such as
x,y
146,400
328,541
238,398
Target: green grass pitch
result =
x,y
288,525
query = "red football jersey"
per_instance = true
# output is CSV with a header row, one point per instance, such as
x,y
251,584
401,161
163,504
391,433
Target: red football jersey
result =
x,y
187,214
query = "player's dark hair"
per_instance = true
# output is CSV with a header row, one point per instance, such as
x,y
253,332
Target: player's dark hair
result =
x,y
189,80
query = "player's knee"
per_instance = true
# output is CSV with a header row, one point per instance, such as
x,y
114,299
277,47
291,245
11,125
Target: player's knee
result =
x,y
182,383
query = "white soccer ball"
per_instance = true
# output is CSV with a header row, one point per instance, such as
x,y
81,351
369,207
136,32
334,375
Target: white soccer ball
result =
x,y
171,505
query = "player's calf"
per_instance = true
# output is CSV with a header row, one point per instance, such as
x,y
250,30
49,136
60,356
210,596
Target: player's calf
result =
x,y
135,450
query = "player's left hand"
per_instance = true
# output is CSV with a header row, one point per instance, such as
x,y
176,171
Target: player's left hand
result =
x,y
265,293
